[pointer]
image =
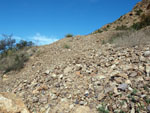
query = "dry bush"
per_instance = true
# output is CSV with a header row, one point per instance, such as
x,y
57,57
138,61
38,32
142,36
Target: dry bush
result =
x,y
13,55
131,38
15,61
122,27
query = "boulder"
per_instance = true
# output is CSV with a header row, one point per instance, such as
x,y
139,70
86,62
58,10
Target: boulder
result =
x,y
10,103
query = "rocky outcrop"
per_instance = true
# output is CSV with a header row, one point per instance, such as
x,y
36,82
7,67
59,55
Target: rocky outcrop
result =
x,y
10,103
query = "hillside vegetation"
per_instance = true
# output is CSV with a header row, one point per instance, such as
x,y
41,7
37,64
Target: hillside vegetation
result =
x,y
136,19
13,55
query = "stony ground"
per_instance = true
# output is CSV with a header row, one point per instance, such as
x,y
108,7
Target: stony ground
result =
x,y
82,75
80,71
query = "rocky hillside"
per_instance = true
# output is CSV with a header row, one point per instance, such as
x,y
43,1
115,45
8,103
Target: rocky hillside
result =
x,y
82,74
126,21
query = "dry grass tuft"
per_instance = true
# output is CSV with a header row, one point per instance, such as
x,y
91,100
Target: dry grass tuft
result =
x,y
131,38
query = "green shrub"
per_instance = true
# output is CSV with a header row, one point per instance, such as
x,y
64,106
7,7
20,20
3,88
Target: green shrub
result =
x,y
102,109
66,46
145,21
6,43
138,12
69,35
134,92
22,44
123,27
108,26
99,31
147,100
105,29
146,87
122,111
136,26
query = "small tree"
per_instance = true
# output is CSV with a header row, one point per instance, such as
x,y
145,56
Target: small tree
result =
x,y
69,35
7,42
23,44
30,43
2,45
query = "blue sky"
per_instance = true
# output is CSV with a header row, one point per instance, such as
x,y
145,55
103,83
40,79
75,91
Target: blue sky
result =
x,y
45,21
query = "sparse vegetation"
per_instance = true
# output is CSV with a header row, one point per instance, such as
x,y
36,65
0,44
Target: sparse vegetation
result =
x,y
138,12
147,100
114,38
15,61
146,87
99,31
69,35
23,44
145,21
66,46
105,29
103,109
136,26
108,26
103,42
122,111
132,98
130,38
6,43
122,27
139,107
134,92
13,55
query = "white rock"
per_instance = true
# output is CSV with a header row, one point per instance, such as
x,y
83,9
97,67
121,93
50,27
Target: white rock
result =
x,y
147,53
61,76
54,75
147,70
47,72
133,110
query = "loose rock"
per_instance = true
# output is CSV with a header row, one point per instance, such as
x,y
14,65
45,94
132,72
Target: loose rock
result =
x,y
123,86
